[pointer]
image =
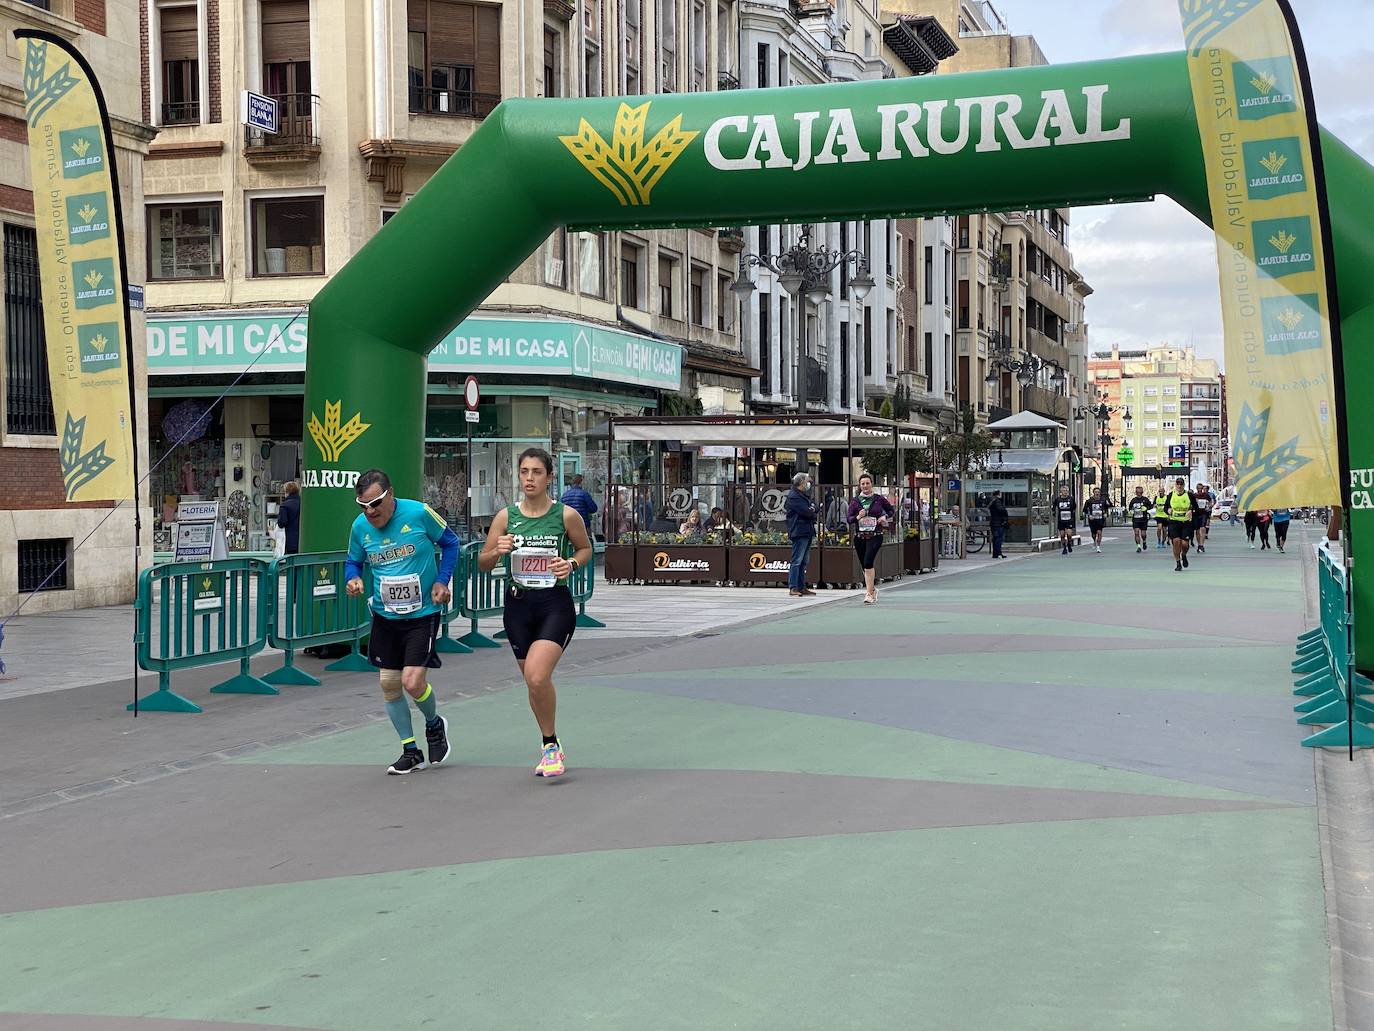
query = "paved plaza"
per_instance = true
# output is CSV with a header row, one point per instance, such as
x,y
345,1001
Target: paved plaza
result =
x,y
1057,793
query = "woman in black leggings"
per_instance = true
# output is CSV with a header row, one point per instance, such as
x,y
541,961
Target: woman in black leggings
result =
x,y
870,515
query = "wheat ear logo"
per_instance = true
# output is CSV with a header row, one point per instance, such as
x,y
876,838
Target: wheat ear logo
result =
x,y
93,278
88,212
42,91
206,584
1274,162
80,147
98,342
1283,241
627,166
80,467
1205,19
1264,82
1290,318
331,438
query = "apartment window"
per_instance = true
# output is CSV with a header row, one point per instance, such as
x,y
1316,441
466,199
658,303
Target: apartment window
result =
x,y
930,362
761,74
1174,390
1130,391
1171,408
844,364
28,391
667,277
43,564
784,74
591,264
765,241
631,269
185,241
724,55
930,274
699,295
556,259
911,349
286,58
1152,442
699,47
1171,425
963,231
868,341
1151,391
553,62
632,46
591,73
179,43
454,61
765,347
868,43
288,236
908,269
725,307
1152,425
387,214
667,41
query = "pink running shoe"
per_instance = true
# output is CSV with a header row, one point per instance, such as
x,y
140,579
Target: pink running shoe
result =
x,y
551,762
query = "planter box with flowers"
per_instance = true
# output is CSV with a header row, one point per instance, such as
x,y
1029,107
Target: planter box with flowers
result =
x,y
758,557
840,563
675,558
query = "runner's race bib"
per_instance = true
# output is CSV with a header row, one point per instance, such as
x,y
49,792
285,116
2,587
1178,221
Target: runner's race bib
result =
x,y
400,594
868,526
530,567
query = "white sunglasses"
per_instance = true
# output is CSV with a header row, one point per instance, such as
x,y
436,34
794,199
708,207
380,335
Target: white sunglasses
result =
x,y
371,505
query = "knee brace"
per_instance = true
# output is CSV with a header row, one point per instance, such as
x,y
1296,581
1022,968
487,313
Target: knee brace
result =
x,y
391,684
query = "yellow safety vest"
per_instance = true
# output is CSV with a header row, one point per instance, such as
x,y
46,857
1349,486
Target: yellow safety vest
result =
x,y
1180,507
1160,500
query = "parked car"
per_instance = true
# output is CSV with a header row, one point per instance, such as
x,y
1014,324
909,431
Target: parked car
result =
x,y
1225,511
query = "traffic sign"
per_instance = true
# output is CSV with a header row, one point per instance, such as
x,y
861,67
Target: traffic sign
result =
x,y
1178,452
473,415
472,394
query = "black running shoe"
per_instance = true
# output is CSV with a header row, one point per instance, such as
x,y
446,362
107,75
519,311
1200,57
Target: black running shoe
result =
x,y
437,740
1202,549
1185,561
1178,567
410,761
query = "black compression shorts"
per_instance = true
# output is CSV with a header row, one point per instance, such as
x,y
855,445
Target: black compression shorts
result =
x,y
1180,529
1140,523
538,615
1096,525
398,643
867,549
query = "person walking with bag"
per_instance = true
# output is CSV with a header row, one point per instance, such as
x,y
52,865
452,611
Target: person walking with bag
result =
x,y
870,514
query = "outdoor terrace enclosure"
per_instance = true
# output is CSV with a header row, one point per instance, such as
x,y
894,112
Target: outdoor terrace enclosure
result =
x,y
1058,135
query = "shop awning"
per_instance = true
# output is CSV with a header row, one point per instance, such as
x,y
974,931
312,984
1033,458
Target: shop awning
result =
x,y
772,432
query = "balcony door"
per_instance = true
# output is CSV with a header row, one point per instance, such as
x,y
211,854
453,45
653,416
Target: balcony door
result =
x,y
286,63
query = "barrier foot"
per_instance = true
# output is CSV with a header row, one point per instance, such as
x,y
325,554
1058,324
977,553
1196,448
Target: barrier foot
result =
x,y
291,676
1335,713
585,620
354,662
500,635
1339,735
1307,651
1311,665
164,700
448,646
244,683
1317,683
1321,701
1314,634
476,640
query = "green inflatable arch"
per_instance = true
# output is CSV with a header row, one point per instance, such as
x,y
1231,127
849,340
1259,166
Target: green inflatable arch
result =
x,y
1076,134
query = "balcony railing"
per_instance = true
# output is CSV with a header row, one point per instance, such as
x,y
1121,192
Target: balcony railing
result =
x,y
186,112
724,80
453,103
730,238
298,126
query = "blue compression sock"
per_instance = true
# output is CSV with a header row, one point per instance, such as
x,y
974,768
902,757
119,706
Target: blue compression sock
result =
x,y
425,703
399,712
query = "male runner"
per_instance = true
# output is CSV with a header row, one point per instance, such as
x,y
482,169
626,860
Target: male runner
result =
x,y
1203,519
1182,508
1095,512
1140,508
1161,515
1064,520
395,538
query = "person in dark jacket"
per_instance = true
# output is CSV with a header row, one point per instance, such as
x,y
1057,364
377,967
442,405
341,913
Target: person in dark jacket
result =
x,y
289,517
801,528
997,523
576,498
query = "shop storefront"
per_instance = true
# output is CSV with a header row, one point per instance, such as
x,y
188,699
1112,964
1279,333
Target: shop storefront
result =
x,y
554,384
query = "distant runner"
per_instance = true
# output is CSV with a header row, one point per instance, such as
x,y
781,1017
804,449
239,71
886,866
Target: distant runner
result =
x,y
1064,520
1095,512
1203,520
1182,507
1140,508
1281,519
1161,516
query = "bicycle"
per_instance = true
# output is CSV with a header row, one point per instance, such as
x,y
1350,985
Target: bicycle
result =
x,y
976,538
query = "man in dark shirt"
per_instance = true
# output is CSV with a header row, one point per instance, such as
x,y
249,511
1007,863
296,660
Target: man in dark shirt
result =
x,y
289,517
1095,512
801,515
577,498
1140,508
1064,520
997,523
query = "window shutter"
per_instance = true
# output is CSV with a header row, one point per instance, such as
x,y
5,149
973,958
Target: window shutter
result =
x,y
452,33
180,35
489,50
285,31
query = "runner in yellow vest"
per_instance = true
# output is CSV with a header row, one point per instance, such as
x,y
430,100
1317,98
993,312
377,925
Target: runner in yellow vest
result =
x,y
1181,506
1161,516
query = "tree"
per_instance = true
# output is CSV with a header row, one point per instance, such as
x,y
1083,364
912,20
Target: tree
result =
x,y
901,406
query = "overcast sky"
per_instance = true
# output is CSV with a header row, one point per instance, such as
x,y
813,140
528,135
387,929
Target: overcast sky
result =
x,y
1153,266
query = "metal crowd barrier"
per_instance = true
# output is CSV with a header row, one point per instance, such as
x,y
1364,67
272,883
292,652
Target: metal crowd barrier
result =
x,y
484,596
207,612
308,607
583,583
1334,693
445,644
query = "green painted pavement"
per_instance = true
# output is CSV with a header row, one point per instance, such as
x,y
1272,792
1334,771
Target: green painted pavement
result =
x,y
1211,921
1239,669
626,729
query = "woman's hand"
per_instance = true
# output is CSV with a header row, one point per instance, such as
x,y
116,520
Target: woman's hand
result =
x,y
505,544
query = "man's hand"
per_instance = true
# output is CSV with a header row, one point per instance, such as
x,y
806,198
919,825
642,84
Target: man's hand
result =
x,y
505,544
440,594
354,587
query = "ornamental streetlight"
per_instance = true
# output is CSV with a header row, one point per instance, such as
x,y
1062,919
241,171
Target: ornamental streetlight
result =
x,y
1102,413
805,274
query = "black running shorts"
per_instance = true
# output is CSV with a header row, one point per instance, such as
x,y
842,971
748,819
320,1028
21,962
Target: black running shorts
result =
x,y
1140,524
1180,529
1065,526
867,549
538,615
1096,525
398,643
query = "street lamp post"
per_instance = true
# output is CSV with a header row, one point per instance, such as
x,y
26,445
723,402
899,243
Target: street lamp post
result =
x,y
1102,413
804,273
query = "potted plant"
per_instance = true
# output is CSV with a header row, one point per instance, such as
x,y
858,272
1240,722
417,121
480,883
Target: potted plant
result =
x,y
911,550
763,557
678,558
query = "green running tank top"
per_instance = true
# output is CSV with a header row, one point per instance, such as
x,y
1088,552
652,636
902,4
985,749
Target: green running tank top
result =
x,y
545,531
